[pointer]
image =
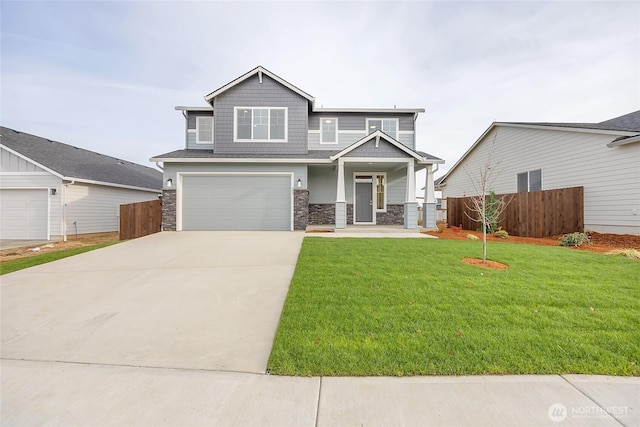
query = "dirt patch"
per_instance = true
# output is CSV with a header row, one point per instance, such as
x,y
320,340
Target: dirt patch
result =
x,y
54,246
600,242
493,265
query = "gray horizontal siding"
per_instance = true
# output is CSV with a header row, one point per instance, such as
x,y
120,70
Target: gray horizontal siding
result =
x,y
299,171
192,145
358,121
251,93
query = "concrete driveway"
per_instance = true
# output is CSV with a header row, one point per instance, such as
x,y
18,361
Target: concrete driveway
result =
x,y
192,300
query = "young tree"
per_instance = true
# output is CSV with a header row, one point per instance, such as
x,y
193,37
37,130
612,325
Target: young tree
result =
x,y
485,206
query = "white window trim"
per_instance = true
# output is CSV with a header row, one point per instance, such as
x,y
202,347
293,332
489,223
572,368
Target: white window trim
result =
x,y
197,130
529,180
397,120
286,124
322,132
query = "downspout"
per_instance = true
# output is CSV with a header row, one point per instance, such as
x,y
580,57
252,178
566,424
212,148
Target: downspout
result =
x,y
159,167
64,208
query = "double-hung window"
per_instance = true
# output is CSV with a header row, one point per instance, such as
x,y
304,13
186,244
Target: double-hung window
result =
x,y
529,181
328,130
388,126
204,130
260,124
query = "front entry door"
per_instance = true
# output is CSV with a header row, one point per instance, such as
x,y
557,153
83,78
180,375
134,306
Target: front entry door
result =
x,y
364,201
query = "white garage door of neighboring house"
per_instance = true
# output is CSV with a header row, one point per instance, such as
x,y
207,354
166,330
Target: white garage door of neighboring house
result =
x,y
24,214
236,202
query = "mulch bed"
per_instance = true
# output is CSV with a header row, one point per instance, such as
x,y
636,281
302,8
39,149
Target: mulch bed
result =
x,y
600,242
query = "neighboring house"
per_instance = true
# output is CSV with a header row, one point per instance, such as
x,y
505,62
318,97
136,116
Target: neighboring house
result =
x,y
49,189
262,156
604,158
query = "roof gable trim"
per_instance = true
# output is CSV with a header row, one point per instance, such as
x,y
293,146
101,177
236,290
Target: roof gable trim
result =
x,y
259,71
378,135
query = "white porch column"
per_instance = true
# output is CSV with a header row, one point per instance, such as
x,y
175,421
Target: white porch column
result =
x,y
410,204
341,202
429,206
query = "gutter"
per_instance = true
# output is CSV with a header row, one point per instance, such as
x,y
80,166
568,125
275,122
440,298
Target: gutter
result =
x,y
64,208
628,140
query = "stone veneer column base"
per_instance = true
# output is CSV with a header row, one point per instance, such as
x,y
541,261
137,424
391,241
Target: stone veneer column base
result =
x,y
169,210
393,216
300,209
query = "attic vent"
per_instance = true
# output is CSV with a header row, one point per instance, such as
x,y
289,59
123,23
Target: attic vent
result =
x,y
120,162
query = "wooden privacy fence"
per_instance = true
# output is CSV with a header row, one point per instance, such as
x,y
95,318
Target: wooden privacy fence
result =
x,y
533,214
140,219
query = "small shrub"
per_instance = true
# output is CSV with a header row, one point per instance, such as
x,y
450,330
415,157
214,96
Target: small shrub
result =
x,y
574,239
501,233
627,253
472,237
441,227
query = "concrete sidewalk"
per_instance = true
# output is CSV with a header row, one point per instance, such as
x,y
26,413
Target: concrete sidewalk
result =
x,y
175,329
36,393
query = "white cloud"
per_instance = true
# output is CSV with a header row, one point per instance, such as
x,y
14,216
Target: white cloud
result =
x,y
106,76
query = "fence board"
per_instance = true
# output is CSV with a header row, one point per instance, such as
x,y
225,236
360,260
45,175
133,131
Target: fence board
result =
x,y
533,214
140,219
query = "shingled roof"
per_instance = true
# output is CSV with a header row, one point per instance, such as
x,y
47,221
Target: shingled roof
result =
x,y
77,163
627,123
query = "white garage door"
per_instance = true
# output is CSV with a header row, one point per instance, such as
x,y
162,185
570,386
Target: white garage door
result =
x,y
230,202
24,214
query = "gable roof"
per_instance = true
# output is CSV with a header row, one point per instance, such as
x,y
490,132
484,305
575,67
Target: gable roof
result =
x,y
377,135
259,70
626,127
69,162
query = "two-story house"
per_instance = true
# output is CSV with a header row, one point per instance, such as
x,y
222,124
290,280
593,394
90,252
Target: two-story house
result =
x,y
262,156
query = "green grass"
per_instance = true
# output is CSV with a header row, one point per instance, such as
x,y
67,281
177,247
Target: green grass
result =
x,y
410,307
22,263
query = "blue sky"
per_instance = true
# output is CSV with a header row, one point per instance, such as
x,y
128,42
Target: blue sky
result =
x,y
106,75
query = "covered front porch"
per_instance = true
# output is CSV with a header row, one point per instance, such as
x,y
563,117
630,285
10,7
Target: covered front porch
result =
x,y
371,183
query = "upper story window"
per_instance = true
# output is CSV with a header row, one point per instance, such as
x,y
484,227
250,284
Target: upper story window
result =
x,y
529,181
388,126
204,130
328,130
260,124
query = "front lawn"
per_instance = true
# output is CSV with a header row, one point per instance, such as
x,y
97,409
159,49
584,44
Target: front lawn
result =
x,y
22,263
410,307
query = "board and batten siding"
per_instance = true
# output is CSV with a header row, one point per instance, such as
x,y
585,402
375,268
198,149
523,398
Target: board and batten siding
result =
x,y
252,93
323,182
96,208
16,172
610,176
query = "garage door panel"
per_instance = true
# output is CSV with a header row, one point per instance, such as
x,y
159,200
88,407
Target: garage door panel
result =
x,y
24,214
257,202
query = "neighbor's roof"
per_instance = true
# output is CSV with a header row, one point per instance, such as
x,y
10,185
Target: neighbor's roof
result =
x,y
628,123
77,163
